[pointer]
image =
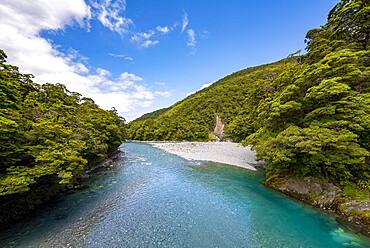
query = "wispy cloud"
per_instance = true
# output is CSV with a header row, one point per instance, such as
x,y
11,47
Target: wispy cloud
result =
x,y
164,29
144,39
109,13
122,56
185,21
162,93
149,43
191,38
129,58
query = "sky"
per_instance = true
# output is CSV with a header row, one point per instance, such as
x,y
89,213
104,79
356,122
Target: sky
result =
x,y
142,55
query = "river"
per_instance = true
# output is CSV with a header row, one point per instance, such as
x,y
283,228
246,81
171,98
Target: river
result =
x,y
150,198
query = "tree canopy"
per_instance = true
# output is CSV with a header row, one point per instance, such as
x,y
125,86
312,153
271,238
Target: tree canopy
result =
x,y
46,130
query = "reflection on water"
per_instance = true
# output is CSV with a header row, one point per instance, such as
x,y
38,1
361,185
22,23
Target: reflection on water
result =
x,y
155,199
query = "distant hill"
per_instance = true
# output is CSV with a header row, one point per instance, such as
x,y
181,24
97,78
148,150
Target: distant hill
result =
x,y
194,117
151,115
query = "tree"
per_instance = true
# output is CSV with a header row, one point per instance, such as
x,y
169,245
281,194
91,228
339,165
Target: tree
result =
x,y
46,130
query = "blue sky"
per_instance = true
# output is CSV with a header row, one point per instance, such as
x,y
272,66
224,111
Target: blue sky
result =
x,y
141,55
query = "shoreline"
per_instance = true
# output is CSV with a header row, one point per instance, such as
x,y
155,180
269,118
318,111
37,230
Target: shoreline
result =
x,y
46,191
327,197
220,152
315,192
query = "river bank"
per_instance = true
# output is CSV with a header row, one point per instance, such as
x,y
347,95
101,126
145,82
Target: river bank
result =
x,y
220,152
350,206
17,206
349,209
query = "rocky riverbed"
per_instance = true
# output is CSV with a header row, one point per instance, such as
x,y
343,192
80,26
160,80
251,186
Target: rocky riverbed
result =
x,y
220,152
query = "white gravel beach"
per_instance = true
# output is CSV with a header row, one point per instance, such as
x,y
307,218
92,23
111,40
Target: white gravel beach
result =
x,y
221,152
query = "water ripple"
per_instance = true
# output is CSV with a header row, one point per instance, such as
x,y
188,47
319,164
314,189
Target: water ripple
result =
x,y
150,198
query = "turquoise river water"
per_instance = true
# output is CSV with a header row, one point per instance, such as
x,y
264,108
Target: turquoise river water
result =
x,y
150,198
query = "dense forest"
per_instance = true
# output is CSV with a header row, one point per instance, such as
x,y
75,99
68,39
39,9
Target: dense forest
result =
x,y
308,115
48,136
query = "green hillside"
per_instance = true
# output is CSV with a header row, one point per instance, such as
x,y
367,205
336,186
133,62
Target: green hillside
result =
x,y
152,115
306,115
194,117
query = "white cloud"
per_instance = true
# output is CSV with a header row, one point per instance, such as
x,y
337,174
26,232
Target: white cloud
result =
x,y
191,38
149,43
201,88
81,68
125,83
20,25
185,21
130,77
144,39
103,73
190,32
109,14
31,16
122,56
117,55
143,35
162,93
164,29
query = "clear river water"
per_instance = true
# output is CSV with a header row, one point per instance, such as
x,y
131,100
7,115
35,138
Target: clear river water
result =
x,y
150,198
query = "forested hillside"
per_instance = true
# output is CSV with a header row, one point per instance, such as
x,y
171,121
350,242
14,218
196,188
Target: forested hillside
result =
x,y
194,117
48,136
305,115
